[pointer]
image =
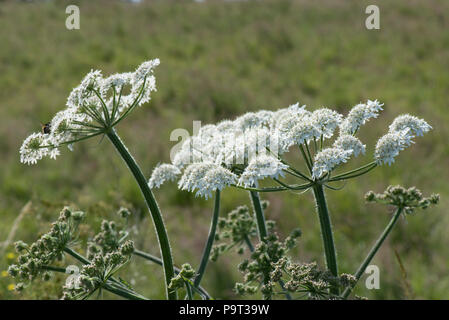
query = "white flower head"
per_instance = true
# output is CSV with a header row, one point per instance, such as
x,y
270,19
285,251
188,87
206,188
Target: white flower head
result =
x,y
162,173
206,178
143,81
303,132
33,148
389,146
349,142
417,126
292,112
326,121
85,93
261,167
327,159
253,120
359,115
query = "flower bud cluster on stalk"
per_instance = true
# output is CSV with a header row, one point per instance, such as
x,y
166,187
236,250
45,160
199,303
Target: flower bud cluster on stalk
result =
x,y
236,231
48,249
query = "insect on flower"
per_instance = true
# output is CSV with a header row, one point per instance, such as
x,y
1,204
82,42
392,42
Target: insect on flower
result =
x,y
46,128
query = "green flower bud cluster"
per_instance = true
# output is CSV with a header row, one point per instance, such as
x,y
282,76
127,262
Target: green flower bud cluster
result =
x,y
183,278
95,275
47,249
235,230
109,238
308,280
407,199
263,262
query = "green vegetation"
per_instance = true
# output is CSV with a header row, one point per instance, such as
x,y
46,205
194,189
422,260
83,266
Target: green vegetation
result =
x,y
220,59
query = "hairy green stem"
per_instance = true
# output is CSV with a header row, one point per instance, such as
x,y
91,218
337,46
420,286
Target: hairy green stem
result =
x,y
373,251
326,232
209,242
154,210
261,226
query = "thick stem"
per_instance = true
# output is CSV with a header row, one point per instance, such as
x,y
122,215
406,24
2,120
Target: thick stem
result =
x,y
326,232
373,251
261,226
260,218
154,210
209,242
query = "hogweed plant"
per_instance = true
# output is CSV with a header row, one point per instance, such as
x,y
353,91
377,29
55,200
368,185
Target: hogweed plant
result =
x,y
240,153
247,153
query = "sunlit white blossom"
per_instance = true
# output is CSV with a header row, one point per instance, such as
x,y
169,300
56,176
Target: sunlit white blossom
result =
x,y
95,105
415,125
253,120
389,146
162,173
327,159
349,142
326,121
261,167
359,115
206,178
31,150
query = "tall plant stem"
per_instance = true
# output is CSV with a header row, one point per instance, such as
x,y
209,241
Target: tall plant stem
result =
x,y
261,226
260,217
373,251
209,242
158,222
326,232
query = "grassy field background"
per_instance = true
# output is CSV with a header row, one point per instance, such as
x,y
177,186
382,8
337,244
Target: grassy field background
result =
x,y
218,60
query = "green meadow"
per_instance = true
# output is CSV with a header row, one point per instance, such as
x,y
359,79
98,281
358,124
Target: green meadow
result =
x,y
220,59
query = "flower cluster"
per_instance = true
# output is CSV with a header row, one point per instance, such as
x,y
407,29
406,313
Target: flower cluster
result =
x,y
236,230
98,272
308,280
244,151
262,262
47,249
183,278
107,240
92,108
407,199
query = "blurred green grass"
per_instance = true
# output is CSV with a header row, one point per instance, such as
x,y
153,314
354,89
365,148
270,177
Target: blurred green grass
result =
x,y
218,60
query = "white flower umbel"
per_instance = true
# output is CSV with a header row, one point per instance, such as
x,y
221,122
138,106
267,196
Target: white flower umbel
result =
x,y
326,121
415,125
327,159
206,178
389,146
93,108
261,167
349,142
251,120
31,151
162,173
359,115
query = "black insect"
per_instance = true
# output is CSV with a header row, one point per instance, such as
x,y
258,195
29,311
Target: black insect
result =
x,y
46,128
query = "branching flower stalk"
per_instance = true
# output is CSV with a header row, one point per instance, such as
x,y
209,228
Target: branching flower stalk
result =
x,y
94,108
406,201
111,236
